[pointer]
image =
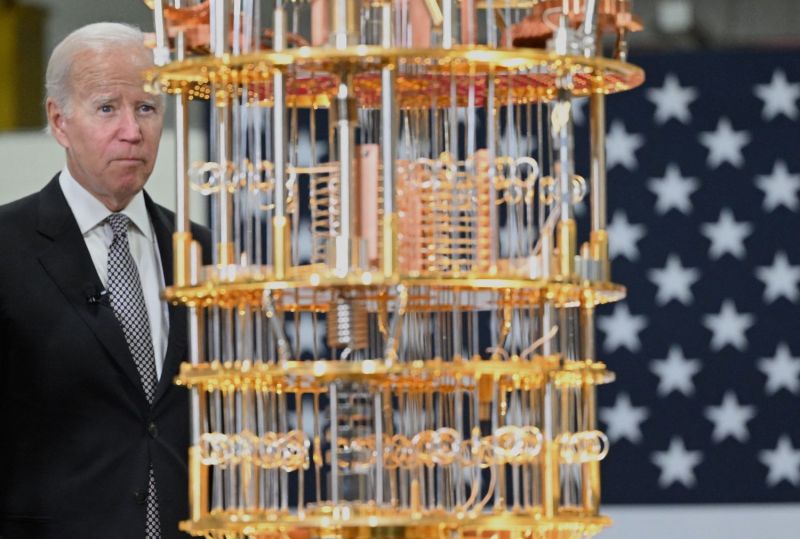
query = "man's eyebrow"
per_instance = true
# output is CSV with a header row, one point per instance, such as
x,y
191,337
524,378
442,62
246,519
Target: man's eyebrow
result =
x,y
102,98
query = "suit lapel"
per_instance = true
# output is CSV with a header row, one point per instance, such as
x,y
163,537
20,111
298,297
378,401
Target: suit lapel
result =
x,y
68,262
176,341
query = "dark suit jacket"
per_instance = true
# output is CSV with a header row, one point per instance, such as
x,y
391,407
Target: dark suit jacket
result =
x,y
78,433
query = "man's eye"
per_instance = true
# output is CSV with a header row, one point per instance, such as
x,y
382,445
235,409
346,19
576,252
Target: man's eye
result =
x,y
106,108
147,108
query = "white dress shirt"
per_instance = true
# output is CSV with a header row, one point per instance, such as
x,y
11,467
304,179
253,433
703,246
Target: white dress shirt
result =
x,y
90,213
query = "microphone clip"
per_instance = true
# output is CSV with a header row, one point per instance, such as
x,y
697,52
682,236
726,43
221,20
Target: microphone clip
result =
x,y
102,297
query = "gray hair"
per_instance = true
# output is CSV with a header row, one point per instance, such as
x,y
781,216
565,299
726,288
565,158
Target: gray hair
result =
x,y
96,37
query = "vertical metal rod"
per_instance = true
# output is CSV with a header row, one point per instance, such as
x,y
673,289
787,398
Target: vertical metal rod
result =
x,y
280,151
215,425
379,469
389,136
220,40
344,23
161,50
224,209
237,27
198,474
182,258
301,482
196,337
550,484
589,28
590,477
562,142
491,25
334,411
597,108
317,448
283,421
182,162
491,147
247,27
588,351
499,468
598,183
448,24
451,134
346,240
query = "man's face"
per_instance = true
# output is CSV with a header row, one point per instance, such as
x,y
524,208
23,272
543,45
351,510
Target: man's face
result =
x,y
112,126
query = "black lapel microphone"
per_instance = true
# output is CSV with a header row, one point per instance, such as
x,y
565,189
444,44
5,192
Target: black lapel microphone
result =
x,y
97,297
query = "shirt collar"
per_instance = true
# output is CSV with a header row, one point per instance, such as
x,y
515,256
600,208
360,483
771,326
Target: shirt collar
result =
x,y
89,212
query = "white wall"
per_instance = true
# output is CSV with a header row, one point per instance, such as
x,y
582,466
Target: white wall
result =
x,y
698,521
29,159
64,16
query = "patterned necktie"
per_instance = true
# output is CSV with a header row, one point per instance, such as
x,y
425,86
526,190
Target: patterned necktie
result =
x,y
127,301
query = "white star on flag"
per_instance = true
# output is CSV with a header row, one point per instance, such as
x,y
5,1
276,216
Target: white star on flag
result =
x,y
724,144
621,146
675,372
728,327
726,235
672,100
677,464
730,418
579,110
673,190
623,236
622,329
623,420
674,281
780,279
782,371
780,188
779,96
783,462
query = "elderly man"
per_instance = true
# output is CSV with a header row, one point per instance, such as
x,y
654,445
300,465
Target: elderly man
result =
x,y
95,433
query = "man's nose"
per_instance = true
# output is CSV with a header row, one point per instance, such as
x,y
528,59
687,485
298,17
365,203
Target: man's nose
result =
x,y
129,128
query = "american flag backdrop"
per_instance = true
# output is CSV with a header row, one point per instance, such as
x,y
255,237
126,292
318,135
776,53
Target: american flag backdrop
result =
x,y
704,220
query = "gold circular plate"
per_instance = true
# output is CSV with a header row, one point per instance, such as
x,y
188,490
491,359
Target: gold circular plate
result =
x,y
305,376
424,76
327,521
312,288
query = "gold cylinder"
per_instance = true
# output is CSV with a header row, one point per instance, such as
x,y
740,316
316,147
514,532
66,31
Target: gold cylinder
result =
x,y
590,483
389,245
416,497
280,239
567,244
225,254
588,348
485,397
181,258
551,488
198,485
598,241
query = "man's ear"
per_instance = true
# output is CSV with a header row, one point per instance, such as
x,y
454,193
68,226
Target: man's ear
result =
x,y
55,119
